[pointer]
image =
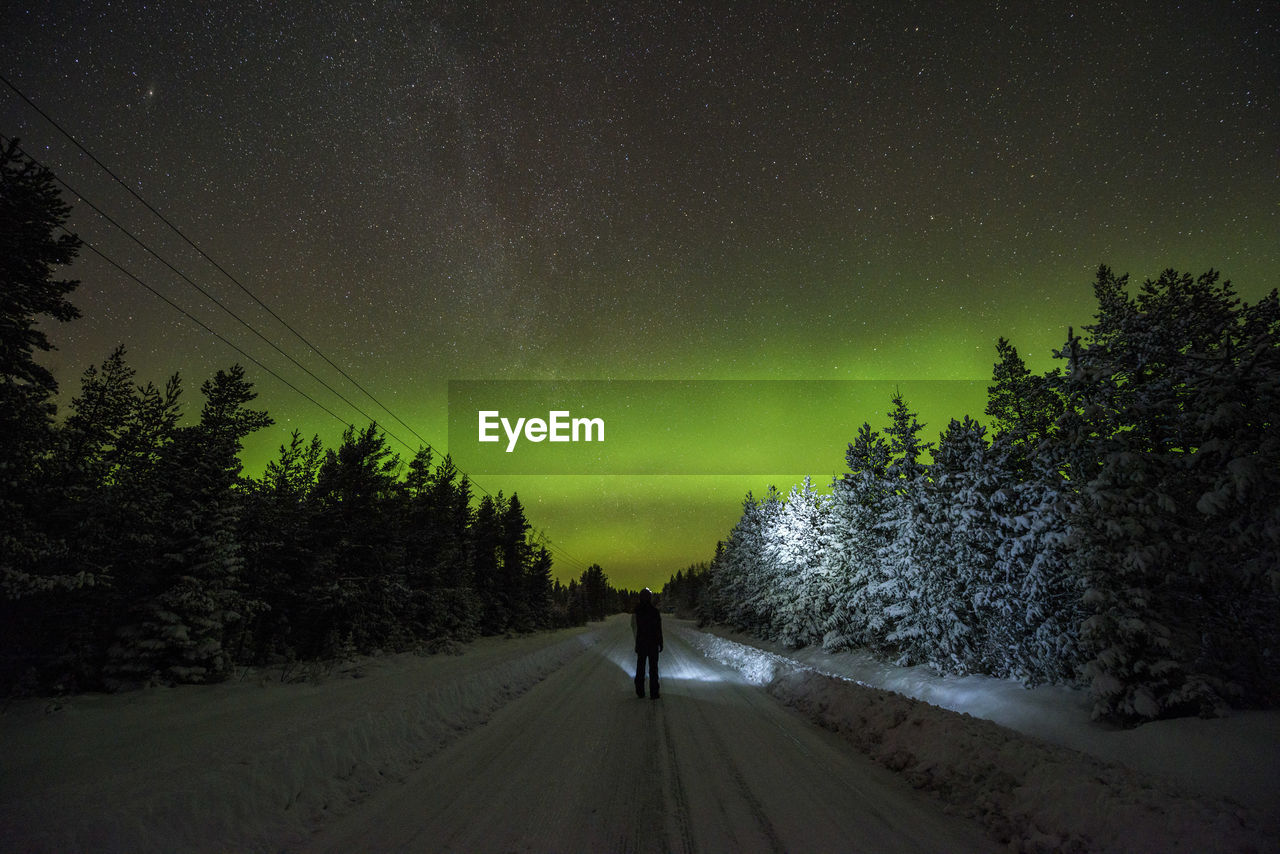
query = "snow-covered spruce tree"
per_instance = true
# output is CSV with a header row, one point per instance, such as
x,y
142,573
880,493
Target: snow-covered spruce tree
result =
x,y
93,436
762,573
61,634
850,542
594,592
357,597
897,589
802,585
908,562
516,552
438,513
539,584
109,456
737,594
1151,391
1118,539
484,562
31,251
1023,408
1031,609
182,627
712,607
277,549
958,542
501,553
420,536
449,497
1232,400
111,459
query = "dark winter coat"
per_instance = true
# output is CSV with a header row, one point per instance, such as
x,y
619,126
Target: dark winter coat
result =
x,y
648,627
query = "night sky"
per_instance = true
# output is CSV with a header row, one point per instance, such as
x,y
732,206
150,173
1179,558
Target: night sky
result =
x,y
739,191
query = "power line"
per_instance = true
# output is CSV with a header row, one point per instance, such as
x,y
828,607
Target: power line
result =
x,y
569,558
212,298
206,256
95,250
542,538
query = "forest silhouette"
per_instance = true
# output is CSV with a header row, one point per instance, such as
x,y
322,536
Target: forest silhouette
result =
x,y
1119,526
135,551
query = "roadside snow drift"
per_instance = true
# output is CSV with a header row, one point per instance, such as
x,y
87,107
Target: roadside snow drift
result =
x,y
1030,795
243,766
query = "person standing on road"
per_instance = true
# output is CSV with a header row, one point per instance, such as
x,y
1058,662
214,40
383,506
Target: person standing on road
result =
x,y
646,625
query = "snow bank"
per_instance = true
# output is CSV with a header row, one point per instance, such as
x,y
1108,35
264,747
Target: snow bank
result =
x,y
229,787
1032,795
1236,757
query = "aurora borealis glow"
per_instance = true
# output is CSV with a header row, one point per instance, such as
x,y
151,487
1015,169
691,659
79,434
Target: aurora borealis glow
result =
x,y
648,191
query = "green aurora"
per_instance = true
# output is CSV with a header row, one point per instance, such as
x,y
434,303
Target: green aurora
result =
x,y
600,191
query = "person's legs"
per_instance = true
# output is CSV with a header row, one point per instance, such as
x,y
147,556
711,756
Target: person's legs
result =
x,y
640,674
653,675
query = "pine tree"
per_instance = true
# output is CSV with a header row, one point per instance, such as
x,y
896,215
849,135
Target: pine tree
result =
x,y
1029,607
747,596
959,538
359,598
450,499
851,543
539,587
278,551
896,590
31,213
802,585
515,557
195,602
1023,406
1157,375
456,608
113,504
1033,610
485,538
593,590
94,436
684,590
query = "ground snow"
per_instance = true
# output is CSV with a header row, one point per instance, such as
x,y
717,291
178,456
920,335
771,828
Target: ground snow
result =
x,y
1236,757
251,764
1035,795
256,764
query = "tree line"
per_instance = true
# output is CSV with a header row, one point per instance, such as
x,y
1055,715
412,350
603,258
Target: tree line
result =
x,y
134,550
1119,526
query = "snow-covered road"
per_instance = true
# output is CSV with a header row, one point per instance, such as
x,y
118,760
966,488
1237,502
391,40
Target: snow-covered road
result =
x,y
578,763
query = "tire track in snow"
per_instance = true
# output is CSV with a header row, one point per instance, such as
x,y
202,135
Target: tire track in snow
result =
x,y
580,764
679,815
650,804
728,766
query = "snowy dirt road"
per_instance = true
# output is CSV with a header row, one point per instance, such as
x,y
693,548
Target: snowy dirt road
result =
x,y
578,763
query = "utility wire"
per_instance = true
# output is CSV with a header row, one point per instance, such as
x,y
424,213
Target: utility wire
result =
x,y
96,251
206,256
74,141
542,538
211,297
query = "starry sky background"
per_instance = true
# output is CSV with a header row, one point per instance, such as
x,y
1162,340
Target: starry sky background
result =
x,y
571,190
